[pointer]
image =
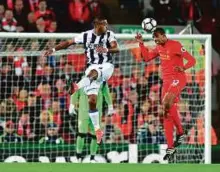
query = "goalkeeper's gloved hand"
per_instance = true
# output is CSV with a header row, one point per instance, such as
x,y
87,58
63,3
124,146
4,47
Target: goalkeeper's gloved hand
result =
x,y
110,110
72,110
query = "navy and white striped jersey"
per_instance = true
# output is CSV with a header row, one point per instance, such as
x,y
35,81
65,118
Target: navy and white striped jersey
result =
x,y
90,41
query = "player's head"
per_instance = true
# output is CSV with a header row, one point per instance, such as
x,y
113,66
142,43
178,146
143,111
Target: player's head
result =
x,y
159,36
100,24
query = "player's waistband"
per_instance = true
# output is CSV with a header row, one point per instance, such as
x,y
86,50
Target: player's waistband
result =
x,y
170,77
89,64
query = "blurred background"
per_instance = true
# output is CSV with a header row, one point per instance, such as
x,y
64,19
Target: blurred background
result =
x,y
32,89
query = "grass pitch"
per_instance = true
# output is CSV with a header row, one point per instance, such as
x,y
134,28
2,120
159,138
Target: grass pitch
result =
x,y
69,167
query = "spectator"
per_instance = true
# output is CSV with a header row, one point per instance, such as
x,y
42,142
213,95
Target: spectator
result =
x,y
79,15
41,25
123,119
8,111
189,11
164,11
8,4
51,59
147,9
19,62
150,132
112,133
10,135
9,24
52,27
97,8
40,124
197,133
52,136
20,14
61,93
43,13
56,113
41,63
33,106
31,24
21,102
28,80
45,92
6,78
32,5
48,75
24,125
2,12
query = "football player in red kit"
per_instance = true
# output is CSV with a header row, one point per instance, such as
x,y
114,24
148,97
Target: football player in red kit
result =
x,y
172,55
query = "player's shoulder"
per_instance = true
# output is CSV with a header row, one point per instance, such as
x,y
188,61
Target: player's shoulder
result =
x,y
88,31
110,32
174,42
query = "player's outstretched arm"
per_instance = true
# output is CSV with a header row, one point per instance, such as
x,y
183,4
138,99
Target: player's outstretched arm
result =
x,y
146,53
60,46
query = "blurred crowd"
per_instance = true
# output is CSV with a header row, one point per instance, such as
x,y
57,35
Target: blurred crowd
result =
x,y
77,15
49,15
33,98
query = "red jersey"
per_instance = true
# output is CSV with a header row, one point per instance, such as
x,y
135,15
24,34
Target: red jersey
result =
x,y
171,55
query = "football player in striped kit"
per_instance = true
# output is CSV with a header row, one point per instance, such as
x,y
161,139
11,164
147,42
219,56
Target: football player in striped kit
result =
x,y
99,44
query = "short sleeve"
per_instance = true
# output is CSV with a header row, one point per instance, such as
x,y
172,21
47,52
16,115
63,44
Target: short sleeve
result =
x,y
111,37
79,38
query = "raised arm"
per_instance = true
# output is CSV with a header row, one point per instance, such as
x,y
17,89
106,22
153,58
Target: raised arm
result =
x,y
60,46
65,44
146,53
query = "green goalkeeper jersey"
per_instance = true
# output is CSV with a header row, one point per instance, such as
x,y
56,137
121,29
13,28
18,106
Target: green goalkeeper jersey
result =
x,y
80,99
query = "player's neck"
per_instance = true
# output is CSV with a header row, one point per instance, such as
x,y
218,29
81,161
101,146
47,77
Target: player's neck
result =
x,y
96,31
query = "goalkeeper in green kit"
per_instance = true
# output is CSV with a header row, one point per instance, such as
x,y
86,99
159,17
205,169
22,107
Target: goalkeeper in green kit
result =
x,y
79,102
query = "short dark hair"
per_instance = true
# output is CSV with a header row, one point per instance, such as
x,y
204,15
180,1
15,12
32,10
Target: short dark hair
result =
x,y
98,19
159,30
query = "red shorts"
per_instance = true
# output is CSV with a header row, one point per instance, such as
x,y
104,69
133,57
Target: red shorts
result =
x,y
174,85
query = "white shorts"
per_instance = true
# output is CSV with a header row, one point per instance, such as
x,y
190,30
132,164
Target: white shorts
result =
x,y
104,70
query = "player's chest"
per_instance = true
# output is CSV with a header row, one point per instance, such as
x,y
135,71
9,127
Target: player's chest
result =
x,y
167,53
94,41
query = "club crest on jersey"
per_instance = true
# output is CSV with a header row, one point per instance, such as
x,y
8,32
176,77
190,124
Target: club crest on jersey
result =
x,y
175,83
183,49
